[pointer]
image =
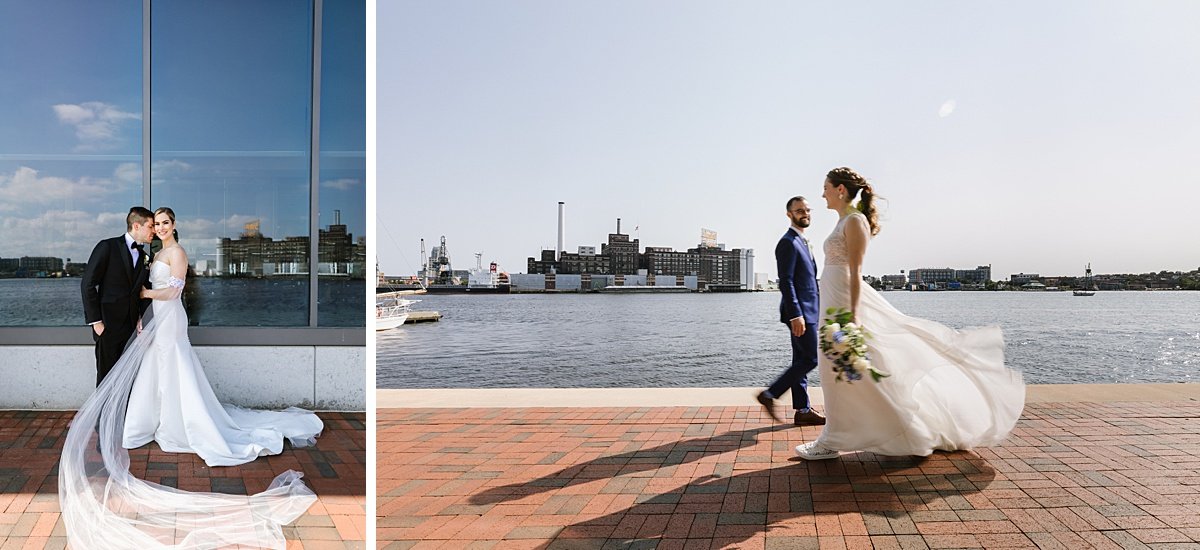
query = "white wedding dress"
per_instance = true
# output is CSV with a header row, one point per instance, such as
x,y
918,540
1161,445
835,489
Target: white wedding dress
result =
x,y
172,402
160,383
948,389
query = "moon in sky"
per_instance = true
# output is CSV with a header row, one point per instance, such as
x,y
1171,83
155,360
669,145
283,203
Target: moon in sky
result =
x,y
947,108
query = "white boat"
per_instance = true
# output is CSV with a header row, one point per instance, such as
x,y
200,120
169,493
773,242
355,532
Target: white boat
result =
x,y
391,311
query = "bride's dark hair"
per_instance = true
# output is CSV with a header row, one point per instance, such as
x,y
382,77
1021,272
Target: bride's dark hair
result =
x,y
855,183
170,214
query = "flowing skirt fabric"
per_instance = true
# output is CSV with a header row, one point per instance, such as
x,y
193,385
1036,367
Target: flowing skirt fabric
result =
x,y
948,389
173,404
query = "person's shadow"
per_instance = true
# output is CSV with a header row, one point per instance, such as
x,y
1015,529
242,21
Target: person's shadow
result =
x,y
641,460
879,487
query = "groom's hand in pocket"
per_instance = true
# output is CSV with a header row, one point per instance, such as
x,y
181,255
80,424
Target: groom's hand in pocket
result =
x,y
798,327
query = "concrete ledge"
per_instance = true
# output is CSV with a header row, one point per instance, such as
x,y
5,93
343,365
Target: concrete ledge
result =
x,y
273,377
724,397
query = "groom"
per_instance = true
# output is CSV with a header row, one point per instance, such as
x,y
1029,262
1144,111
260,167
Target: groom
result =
x,y
116,272
799,311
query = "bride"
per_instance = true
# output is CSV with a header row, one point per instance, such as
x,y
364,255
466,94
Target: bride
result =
x,y
947,389
158,391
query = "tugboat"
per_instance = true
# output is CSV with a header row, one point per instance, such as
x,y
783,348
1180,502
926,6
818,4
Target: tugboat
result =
x,y
1089,287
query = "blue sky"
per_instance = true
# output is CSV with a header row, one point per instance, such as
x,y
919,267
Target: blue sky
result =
x,y
1032,137
230,120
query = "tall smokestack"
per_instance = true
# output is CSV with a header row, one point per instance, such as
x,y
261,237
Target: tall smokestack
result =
x,y
618,226
559,250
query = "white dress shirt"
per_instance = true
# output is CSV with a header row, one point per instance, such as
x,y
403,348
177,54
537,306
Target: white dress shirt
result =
x,y
132,251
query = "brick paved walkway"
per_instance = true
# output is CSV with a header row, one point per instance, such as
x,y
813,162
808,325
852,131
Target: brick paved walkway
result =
x,y
1072,476
30,444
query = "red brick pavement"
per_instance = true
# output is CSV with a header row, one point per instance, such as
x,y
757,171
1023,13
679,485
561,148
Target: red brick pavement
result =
x,y
30,444
1072,476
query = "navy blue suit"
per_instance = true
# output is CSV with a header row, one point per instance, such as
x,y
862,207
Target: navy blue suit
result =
x,y
799,298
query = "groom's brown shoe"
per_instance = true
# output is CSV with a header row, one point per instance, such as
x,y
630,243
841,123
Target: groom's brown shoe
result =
x,y
810,418
768,404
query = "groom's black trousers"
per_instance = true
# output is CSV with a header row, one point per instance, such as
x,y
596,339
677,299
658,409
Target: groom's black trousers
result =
x,y
109,347
804,360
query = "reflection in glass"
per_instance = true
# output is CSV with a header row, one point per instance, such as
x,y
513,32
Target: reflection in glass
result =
x,y
70,149
342,286
230,153
230,115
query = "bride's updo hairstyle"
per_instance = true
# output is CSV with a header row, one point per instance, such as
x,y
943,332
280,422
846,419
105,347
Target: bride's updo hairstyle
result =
x,y
854,184
170,214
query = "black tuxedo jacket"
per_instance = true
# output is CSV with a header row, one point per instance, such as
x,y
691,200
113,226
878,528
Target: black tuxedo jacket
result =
x,y
111,284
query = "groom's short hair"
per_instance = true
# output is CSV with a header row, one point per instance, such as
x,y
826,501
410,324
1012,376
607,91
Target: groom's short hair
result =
x,y
794,199
137,214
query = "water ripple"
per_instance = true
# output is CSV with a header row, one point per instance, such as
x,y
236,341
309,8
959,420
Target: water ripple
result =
x,y
717,340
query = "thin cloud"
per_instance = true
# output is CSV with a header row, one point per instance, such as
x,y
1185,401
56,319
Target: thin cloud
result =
x,y
205,228
343,184
160,170
128,172
97,125
25,187
59,233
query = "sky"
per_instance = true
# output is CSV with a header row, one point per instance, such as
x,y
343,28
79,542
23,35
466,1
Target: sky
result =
x,y
230,117
1028,136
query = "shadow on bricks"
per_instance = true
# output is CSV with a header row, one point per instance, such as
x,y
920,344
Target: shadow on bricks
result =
x,y
641,460
738,508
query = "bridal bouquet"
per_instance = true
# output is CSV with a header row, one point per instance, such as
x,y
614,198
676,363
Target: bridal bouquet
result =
x,y
845,343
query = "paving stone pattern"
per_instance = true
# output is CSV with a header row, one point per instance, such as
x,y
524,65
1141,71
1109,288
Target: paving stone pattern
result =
x,y
31,441
1071,476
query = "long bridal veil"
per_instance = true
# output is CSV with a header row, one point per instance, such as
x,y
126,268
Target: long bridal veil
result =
x,y
105,507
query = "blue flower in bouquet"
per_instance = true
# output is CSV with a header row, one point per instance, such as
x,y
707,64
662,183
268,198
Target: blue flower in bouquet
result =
x,y
845,343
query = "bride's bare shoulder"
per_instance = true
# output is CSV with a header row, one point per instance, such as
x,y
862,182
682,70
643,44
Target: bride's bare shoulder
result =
x,y
173,253
858,221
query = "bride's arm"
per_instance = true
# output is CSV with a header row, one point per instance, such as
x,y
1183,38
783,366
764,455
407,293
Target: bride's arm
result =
x,y
176,258
857,236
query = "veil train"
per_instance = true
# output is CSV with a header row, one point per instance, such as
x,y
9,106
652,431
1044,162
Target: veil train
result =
x,y
104,507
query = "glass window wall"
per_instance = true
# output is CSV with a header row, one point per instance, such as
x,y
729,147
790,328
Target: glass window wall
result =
x,y
231,126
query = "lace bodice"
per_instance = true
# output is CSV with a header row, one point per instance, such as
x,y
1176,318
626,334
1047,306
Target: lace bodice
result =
x,y
835,243
160,276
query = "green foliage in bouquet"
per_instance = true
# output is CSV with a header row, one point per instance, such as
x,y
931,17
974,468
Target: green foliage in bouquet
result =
x,y
845,343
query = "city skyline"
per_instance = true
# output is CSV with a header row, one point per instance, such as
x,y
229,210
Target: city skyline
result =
x,y
431,246
1031,139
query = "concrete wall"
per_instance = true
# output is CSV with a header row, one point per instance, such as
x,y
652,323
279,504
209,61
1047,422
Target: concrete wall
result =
x,y
568,282
530,281
635,280
313,377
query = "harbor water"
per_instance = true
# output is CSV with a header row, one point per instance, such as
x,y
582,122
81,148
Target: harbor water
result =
x,y
273,302
713,340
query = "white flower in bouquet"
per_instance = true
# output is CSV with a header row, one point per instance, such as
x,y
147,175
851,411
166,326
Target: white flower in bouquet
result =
x,y
861,364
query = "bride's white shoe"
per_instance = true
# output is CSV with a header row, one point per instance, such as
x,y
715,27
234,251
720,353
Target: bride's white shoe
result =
x,y
814,451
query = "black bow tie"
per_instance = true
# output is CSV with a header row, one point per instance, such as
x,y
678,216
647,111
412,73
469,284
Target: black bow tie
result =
x,y
138,247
